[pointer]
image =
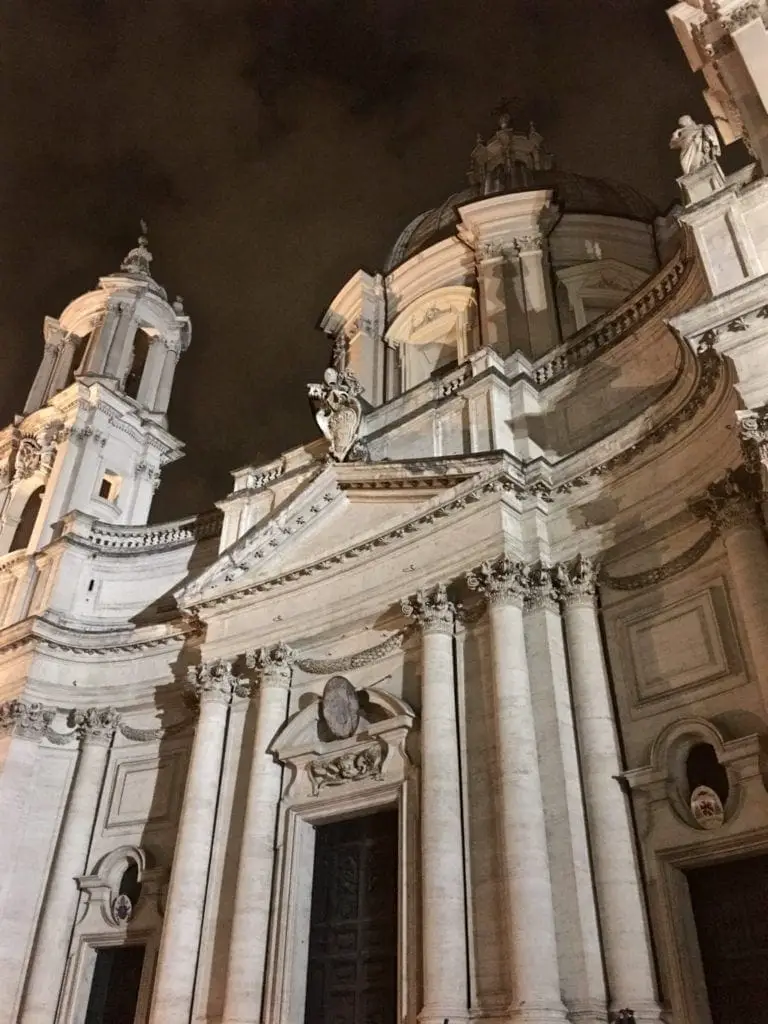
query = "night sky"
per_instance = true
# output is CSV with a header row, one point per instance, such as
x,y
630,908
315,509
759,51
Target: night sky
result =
x,y
274,148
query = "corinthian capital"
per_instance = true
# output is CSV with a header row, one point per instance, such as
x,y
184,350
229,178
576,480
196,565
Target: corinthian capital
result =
x,y
502,582
731,501
213,681
577,582
96,725
542,592
28,719
273,664
753,431
433,611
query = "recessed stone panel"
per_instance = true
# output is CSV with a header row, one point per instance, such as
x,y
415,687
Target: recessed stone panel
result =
x,y
685,644
145,792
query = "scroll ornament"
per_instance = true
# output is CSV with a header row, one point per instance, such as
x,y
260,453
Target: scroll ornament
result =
x,y
337,409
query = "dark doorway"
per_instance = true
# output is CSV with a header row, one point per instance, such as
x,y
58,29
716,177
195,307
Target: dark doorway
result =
x,y
352,975
730,907
115,985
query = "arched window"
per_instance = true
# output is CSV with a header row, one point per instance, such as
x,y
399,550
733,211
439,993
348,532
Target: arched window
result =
x,y
702,768
27,521
140,352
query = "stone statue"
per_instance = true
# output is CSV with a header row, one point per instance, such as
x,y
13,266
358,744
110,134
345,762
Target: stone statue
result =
x,y
337,409
698,144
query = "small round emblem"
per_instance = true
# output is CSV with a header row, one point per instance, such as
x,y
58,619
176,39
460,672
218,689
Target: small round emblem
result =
x,y
707,808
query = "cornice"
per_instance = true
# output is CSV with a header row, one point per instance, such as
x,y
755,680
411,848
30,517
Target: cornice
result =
x,y
133,540
500,481
37,633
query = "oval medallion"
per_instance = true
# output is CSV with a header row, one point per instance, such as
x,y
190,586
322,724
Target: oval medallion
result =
x,y
340,707
707,807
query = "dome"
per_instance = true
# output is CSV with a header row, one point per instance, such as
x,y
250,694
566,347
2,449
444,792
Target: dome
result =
x,y
515,160
574,193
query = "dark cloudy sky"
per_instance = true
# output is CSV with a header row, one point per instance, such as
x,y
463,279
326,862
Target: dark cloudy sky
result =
x,y
275,146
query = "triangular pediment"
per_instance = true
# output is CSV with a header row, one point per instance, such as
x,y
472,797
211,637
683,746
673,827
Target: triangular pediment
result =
x,y
340,506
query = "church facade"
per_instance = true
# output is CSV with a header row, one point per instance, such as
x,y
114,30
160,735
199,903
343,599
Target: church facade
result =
x,y
458,712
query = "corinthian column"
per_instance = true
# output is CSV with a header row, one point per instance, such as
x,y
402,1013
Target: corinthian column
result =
x,y
250,922
444,949
621,908
95,729
179,945
529,915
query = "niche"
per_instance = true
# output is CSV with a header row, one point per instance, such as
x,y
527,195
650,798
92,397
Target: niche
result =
x,y
26,524
141,343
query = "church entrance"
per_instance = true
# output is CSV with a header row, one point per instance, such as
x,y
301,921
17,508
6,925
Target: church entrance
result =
x,y
352,972
730,907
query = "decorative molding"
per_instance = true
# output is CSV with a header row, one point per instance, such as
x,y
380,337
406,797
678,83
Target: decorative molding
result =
x,y
500,483
432,611
150,735
753,434
352,767
741,16
660,573
327,666
502,582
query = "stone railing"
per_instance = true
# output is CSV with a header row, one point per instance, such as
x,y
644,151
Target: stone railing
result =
x,y
143,538
612,327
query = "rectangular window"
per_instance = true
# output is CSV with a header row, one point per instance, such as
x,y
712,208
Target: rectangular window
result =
x,y
115,986
109,488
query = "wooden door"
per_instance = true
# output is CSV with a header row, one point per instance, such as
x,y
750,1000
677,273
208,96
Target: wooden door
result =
x,y
352,974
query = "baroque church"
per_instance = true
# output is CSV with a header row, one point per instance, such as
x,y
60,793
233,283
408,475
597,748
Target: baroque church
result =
x,y
457,712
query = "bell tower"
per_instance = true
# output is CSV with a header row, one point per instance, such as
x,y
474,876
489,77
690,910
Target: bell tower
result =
x,y
93,435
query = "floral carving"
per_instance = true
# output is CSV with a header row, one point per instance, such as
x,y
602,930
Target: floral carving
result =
x,y
659,573
753,430
577,582
324,666
433,611
29,719
27,459
274,664
337,409
542,592
502,582
730,502
95,725
352,767
214,681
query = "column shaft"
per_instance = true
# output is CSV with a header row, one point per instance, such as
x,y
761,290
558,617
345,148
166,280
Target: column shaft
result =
x,y
444,943
534,975
250,923
624,927
57,914
748,559
180,941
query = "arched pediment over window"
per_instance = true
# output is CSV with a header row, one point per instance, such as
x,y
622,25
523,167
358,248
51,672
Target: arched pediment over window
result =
x,y
434,331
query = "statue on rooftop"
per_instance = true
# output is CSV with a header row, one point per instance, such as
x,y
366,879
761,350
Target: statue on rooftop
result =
x,y
337,409
138,259
698,144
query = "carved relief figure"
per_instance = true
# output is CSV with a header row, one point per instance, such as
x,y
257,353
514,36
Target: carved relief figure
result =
x,y
27,459
697,143
337,409
353,767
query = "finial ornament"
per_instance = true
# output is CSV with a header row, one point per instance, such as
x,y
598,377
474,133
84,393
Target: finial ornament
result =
x,y
337,409
434,612
502,582
697,144
138,259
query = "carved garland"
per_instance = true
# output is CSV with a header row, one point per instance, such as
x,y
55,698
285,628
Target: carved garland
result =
x,y
660,573
326,666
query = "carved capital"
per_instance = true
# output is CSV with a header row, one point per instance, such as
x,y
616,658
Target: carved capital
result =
x,y
502,582
731,502
95,725
753,432
433,611
542,592
28,719
213,682
576,581
273,664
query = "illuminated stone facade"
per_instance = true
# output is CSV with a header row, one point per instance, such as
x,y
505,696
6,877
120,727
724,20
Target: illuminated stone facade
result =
x,y
530,536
